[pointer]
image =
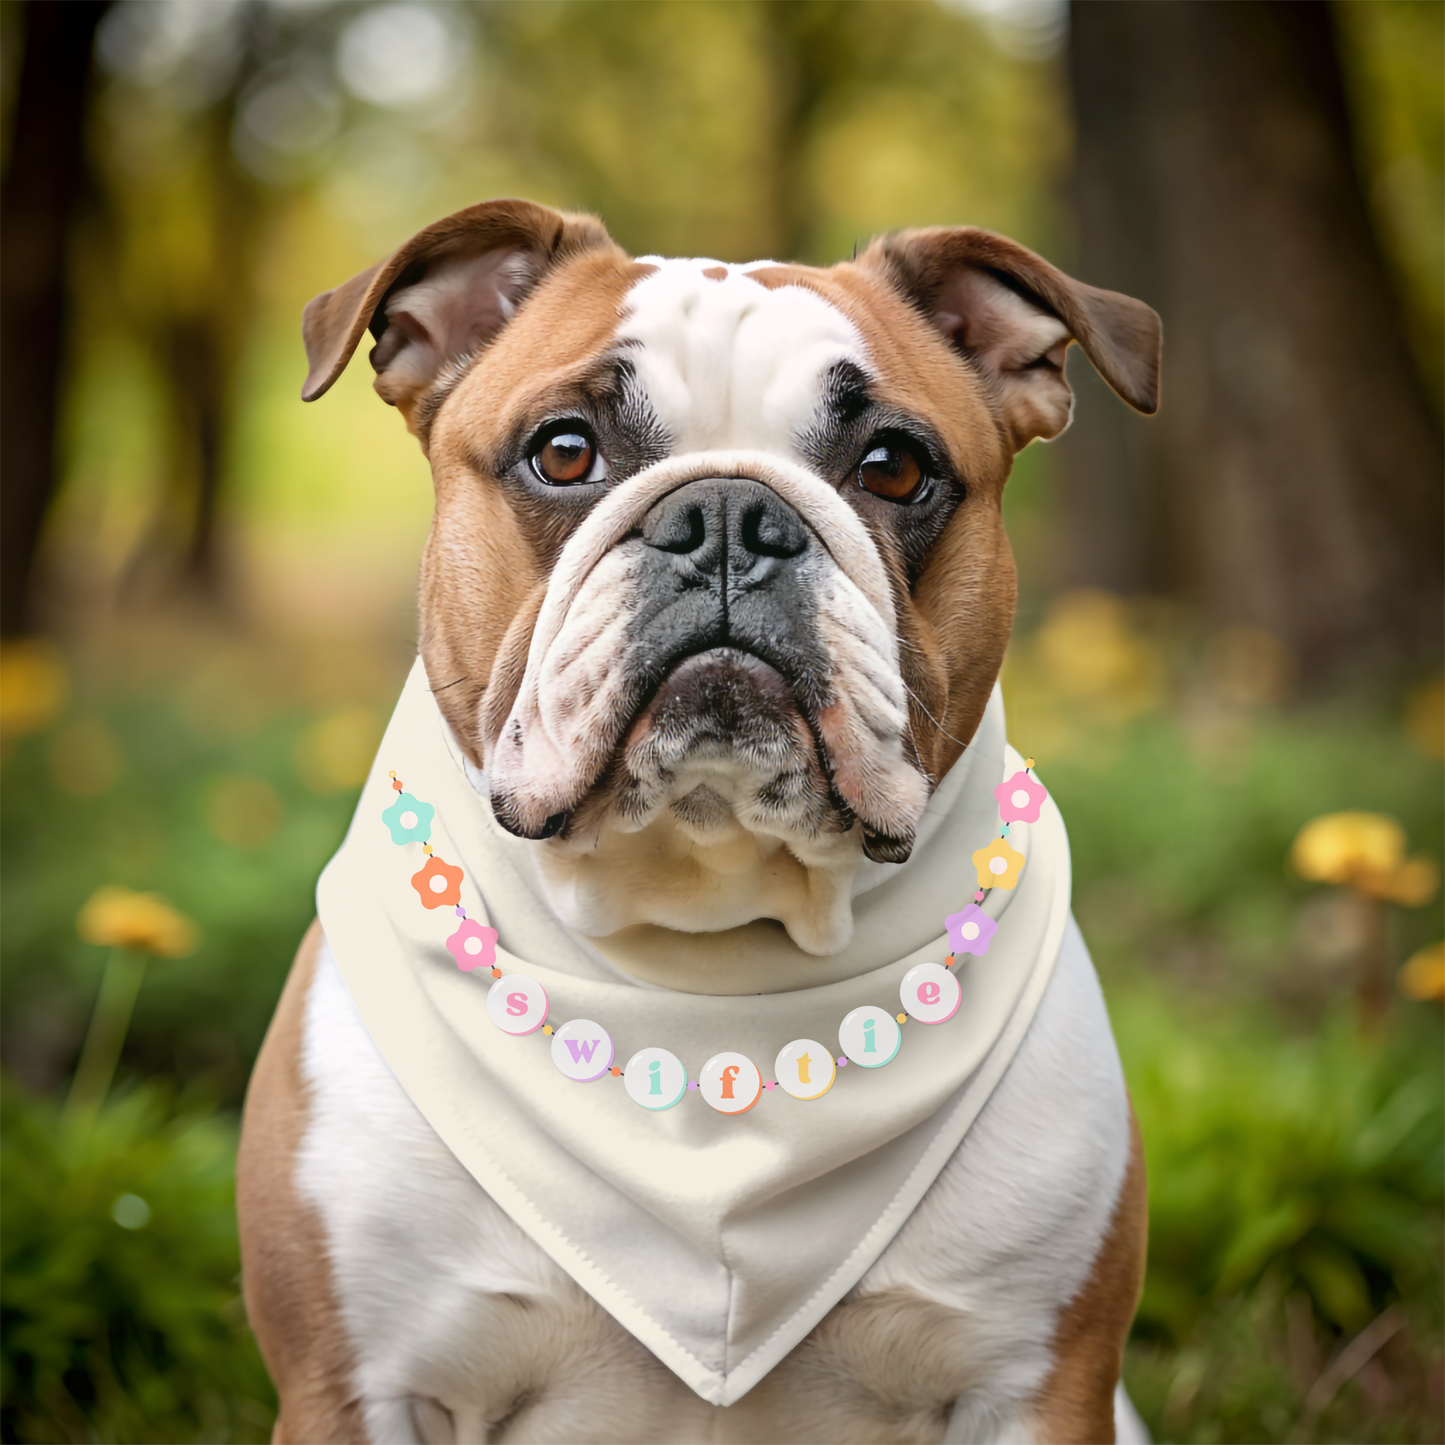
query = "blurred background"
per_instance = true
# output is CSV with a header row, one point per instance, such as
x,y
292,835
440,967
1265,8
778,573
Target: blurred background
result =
x,y
1227,658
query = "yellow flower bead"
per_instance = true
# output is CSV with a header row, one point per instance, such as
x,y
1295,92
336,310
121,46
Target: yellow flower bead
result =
x,y
998,865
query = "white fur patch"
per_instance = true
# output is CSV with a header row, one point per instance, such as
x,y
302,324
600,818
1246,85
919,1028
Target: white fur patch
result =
x,y
730,363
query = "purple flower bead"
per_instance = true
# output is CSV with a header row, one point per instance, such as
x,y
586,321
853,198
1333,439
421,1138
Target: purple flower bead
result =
x,y
970,930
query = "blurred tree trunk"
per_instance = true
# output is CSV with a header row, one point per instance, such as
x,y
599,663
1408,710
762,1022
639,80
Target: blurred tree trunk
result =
x,y
45,183
1292,480
196,324
192,304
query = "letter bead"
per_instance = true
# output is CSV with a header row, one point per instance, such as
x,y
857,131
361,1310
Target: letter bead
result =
x,y
930,993
805,1069
582,1050
655,1079
870,1037
730,1082
517,1004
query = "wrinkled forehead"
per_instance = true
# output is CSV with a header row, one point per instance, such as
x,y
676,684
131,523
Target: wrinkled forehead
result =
x,y
730,355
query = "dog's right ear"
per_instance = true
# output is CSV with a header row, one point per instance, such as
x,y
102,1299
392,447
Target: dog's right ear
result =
x,y
441,297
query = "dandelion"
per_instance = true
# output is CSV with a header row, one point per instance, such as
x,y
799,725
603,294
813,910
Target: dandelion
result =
x,y
135,927
1364,853
1423,976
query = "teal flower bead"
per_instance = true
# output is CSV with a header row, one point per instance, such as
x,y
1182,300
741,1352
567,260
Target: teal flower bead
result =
x,y
409,819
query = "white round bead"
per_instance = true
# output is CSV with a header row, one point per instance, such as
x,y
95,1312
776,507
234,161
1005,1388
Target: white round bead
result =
x,y
805,1069
730,1082
582,1050
654,1078
930,993
870,1037
517,1004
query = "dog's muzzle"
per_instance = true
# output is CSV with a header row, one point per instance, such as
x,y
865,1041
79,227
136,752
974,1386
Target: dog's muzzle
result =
x,y
719,641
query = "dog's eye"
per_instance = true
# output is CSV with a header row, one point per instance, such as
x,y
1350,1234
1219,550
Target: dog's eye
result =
x,y
567,457
891,470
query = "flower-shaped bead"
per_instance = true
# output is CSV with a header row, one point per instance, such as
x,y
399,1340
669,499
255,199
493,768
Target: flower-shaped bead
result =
x,y
970,930
439,884
473,946
1020,798
409,819
998,865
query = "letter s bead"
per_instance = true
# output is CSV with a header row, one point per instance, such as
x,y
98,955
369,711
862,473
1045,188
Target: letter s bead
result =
x,y
517,1004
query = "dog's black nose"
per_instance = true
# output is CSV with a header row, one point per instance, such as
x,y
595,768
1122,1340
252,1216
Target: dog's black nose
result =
x,y
728,528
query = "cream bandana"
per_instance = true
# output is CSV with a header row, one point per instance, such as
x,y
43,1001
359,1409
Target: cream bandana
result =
x,y
718,1240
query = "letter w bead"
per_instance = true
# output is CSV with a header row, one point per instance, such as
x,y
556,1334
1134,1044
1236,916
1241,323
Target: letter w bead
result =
x,y
582,1050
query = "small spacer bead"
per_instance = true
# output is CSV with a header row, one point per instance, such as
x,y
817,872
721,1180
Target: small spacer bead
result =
x,y
978,897
1028,762
396,786
692,1083
771,1084
903,1018
426,848
950,961
546,1028
842,1061
496,973
615,1072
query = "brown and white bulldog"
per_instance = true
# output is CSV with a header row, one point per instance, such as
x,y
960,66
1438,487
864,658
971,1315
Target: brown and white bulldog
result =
x,y
716,593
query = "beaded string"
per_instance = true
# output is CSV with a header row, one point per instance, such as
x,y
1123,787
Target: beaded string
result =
x,y
518,1004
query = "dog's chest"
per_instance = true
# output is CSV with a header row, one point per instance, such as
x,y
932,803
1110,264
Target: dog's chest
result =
x,y
463,1328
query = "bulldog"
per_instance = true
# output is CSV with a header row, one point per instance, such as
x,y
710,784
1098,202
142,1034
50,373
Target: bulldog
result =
x,y
712,611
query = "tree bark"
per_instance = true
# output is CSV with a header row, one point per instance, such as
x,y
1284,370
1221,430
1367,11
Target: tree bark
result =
x,y
40,197
1292,480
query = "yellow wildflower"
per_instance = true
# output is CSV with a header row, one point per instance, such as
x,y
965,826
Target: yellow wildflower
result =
x,y
1423,976
1367,852
117,917
1342,847
33,686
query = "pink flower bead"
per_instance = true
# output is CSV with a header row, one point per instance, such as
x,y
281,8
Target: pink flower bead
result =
x,y
1020,798
473,946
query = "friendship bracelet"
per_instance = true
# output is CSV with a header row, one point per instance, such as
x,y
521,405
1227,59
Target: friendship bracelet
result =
x,y
730,1082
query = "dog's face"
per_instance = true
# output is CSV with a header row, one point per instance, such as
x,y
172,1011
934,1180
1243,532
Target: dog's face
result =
x,y
717,580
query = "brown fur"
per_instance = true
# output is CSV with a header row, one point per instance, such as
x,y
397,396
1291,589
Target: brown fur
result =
x,y
1076,1405
286,1273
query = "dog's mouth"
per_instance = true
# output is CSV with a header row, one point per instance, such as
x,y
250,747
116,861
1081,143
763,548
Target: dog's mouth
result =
x,y
723,705
724,737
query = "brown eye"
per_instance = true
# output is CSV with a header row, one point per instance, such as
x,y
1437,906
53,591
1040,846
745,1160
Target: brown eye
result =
x,y
892,471
566,458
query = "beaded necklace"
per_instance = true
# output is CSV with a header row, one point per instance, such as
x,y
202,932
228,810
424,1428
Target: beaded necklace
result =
x,y
655,1078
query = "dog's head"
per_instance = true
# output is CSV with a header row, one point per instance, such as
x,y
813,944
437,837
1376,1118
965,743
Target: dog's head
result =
x,y
718,578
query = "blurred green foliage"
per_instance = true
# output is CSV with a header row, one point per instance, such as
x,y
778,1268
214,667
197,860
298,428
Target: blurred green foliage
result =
x,y
1302,1169
201,797
120,1311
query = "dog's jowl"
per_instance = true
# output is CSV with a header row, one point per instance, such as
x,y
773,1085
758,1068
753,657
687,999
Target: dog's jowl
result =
x,y
703,746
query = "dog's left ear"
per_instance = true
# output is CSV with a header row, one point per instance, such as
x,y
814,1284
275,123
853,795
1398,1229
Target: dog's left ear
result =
x,y
1013,315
